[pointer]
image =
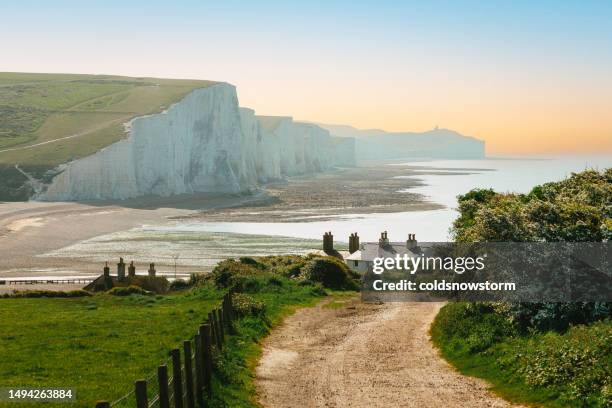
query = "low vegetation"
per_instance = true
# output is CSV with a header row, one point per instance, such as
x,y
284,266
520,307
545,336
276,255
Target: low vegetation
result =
x,y
100,344
553,354
555,369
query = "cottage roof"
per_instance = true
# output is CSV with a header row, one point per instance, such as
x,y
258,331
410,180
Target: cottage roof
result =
x,y
370,250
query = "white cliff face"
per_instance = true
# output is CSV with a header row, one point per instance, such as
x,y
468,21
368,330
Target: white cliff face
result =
x,y
204,143
262,146
193,147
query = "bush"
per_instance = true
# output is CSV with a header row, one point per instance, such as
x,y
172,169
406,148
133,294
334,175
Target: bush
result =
x,y
179,284
578,360
555,316
331,273
245,305
289,266
197,279
472,327
47,294
573,368
128,290
232,274
249,285
247,260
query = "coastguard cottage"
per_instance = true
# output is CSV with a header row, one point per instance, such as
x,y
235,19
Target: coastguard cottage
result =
x,y
362,259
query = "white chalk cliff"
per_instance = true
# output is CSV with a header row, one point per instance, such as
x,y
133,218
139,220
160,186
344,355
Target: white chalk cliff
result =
x,y
204,143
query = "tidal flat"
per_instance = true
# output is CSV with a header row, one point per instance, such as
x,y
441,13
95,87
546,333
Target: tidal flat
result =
x,y
74,239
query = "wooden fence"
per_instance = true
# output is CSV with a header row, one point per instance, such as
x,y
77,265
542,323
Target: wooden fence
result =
x,y
187,384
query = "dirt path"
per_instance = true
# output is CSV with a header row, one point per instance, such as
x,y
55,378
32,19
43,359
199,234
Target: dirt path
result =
x,y
363,356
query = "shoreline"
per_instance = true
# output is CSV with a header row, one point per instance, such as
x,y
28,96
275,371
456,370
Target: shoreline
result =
x,y
29,230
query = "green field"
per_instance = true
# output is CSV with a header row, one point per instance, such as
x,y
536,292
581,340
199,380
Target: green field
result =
x,y
37,108
99,345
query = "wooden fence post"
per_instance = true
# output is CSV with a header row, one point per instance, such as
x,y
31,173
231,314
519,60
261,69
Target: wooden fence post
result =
x,y
219,317
230,309
162,379
189,400
102,404
199,371
177,378
207,359
227,310
140,389
215,329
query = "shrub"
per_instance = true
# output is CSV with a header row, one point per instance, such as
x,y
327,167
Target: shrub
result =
x,y
179,284
554,316
578,360
245,305
247,260
573,368
287,265
128,290
232,274
197,279
249,285
331,273
472,327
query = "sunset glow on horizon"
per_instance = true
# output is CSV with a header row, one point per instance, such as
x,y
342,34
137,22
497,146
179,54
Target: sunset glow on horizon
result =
x,y
527,78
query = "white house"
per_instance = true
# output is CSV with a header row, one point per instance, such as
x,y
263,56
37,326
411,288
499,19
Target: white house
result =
x,y
362,260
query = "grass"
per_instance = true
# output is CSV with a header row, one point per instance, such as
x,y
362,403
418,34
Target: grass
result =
x,y
101,344
98,345
36,108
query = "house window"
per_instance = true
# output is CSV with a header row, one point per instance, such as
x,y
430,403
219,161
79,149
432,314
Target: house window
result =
x,y
356,263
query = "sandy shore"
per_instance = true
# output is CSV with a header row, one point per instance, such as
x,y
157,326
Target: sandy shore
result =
x,y
30,229
365,355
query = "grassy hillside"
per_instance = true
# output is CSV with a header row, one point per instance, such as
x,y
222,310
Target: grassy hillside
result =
x,y
39,108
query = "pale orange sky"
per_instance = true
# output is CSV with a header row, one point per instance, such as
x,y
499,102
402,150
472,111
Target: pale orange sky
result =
x,y
526,77
536,117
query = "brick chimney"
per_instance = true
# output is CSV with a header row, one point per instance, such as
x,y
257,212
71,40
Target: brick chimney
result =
x,y
328,242
353,243
152,270
121,270
384,240
131,269
411,243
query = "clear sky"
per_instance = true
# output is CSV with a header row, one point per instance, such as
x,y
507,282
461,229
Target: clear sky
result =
x,y
526,76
